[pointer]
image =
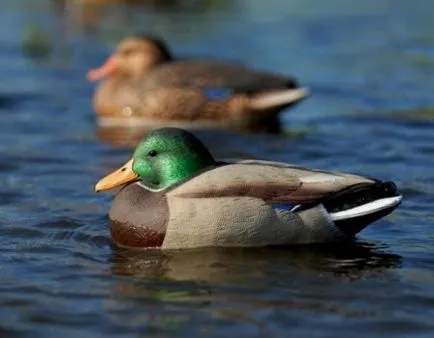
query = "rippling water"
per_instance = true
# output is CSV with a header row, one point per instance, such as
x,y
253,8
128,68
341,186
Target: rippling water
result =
x,y
370,66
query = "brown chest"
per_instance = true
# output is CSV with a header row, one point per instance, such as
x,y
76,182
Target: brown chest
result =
x,y
138,217
116,99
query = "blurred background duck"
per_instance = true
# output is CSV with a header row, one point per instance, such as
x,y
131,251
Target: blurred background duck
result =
x,y
144,84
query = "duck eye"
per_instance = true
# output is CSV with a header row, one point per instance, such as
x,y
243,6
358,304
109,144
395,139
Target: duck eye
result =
x,y
152,153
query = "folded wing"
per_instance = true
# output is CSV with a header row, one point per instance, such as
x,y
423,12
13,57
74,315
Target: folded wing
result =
x,y
273,182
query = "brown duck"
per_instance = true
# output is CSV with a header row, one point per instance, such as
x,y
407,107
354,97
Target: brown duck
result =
x,y
144,84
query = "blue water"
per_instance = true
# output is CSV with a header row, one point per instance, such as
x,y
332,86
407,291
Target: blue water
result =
x,y
369,65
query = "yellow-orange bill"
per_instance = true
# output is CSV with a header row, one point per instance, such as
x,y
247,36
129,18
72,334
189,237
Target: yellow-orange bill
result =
x,y
105,70
123,175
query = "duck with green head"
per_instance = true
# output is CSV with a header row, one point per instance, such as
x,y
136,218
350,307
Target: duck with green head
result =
x,y
176,195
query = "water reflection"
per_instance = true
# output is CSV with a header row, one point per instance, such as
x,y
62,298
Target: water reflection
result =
x,y
124,136
130,135
239,286
350,260
121,136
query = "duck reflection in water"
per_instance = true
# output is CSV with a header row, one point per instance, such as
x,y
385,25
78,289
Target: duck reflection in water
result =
x,y
123,136
348,260
293,283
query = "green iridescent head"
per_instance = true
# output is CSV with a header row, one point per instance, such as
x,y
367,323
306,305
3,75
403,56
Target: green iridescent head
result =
x,y
164,157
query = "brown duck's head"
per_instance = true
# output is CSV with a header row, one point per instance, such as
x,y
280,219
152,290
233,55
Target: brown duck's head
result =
x,y
133,57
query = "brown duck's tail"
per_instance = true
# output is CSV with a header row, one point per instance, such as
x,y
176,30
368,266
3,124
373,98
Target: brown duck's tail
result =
x,y
277,98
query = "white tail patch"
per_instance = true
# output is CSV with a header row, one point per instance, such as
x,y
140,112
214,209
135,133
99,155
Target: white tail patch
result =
x,y
277,98
366,209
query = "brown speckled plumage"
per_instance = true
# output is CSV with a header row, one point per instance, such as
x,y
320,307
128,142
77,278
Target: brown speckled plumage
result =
x,y
148,84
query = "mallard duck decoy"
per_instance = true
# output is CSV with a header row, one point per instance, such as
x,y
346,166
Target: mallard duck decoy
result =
x,y
145,84
176,195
